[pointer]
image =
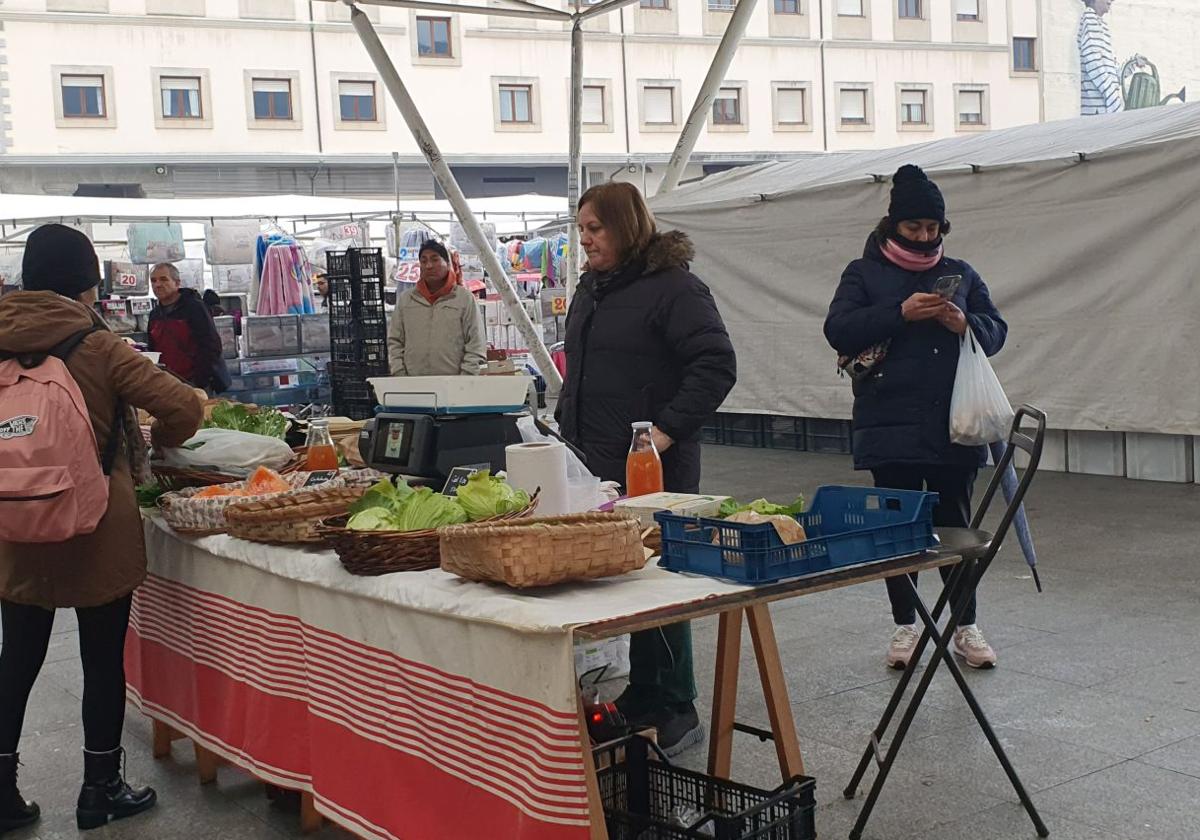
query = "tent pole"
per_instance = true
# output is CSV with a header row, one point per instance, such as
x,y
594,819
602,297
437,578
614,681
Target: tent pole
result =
x,y
574,158
708,92
454,194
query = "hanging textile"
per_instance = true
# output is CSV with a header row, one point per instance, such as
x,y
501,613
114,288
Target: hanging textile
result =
x,y
285,286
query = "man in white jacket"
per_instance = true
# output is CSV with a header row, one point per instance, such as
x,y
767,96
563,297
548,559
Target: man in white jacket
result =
x,y
1100,91
437,329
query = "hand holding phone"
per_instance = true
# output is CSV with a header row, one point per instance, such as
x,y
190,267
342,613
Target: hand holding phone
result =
x,y
946,287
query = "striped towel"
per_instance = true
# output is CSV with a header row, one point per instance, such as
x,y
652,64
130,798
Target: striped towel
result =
x,y
1100,84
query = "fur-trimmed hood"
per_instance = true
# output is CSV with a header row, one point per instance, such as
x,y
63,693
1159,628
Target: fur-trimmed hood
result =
x,y
670,249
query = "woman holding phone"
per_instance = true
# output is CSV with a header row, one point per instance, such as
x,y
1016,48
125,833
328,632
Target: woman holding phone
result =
x,y
897,319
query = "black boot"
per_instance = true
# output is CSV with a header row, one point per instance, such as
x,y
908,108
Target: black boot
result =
x,y
105,795
15,812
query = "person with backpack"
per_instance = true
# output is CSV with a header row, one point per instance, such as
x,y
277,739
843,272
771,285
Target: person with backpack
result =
x,y
71,452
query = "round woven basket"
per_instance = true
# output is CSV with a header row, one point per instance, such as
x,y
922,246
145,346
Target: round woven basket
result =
x,y
369,553
543,552
180,478
291,518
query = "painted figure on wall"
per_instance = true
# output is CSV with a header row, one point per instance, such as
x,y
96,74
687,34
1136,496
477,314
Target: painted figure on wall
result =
x,y
1100,91
1105,88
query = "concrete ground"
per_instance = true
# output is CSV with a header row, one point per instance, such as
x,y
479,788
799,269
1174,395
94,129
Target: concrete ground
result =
x,y
1096,697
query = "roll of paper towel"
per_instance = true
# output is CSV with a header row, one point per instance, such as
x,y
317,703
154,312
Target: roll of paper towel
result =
x,y
544,465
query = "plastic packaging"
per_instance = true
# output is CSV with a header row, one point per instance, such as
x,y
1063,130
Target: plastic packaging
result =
x,y
980,412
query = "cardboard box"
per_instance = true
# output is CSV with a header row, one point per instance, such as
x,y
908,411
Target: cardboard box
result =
x,y
681,504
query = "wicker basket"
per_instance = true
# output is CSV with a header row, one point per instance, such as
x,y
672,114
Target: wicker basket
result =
x,y
543,552
369,553
292,517
206,517
181,478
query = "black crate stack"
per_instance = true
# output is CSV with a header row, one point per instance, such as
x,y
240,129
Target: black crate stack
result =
x,y
357,329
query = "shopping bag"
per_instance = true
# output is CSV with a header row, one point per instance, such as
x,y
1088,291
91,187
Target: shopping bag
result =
x,y
980,413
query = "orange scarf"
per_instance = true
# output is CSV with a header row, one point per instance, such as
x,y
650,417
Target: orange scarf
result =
x,y
447,289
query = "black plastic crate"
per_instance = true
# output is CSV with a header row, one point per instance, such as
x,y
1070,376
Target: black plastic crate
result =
x,y
356,262
786,433
649,799
828,436
352,395
743,430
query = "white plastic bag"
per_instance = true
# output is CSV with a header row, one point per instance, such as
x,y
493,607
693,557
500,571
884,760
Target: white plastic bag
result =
x,y
980,413
230,450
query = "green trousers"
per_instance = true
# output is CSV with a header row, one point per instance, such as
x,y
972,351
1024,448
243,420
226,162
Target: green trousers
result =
x,y
660,664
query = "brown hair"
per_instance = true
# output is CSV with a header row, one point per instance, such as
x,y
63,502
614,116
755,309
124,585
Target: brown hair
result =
x,y
623,212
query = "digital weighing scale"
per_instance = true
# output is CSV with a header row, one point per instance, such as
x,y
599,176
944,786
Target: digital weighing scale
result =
x,y
428,425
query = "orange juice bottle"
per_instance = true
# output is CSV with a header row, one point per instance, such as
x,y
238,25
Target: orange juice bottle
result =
x,y
643,467
321,453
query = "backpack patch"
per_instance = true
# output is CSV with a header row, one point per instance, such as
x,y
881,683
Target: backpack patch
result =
x,y
16,427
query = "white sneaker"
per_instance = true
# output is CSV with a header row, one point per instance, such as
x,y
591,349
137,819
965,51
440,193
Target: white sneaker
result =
x,y
970,645
904,642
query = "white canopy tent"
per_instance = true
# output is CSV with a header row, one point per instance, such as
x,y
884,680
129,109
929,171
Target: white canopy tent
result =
x,y
1085,231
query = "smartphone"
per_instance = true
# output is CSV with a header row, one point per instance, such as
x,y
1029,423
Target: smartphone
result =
x,y
947,287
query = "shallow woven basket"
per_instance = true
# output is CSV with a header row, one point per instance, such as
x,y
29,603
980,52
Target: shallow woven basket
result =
x,y
543,552
180,478
290,518
206,517
370,553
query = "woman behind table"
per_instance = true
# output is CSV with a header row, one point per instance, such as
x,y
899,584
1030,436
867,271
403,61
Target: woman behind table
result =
x,y
644,341
902,406
95,573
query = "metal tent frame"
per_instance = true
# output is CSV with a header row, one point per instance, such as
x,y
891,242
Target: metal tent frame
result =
x,y
529,9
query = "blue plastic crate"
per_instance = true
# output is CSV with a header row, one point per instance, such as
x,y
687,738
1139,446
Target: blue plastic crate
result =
x,y
845,526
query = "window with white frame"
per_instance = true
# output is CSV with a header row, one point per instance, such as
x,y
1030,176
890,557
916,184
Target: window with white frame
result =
x,y
658,105
433,37
721,5
971,108
914,107
272,99
727,107
788,7
967,9
181,97
790,106
850,8
82,97
356,101
909,9
593,105
516,104
664,5
853,106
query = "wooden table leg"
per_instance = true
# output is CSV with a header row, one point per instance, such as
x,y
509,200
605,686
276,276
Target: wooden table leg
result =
x,y
725,688
598,829
779,707
164,736
310,819
207,763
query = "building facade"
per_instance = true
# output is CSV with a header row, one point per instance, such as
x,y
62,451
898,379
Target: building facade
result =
x,y
202,97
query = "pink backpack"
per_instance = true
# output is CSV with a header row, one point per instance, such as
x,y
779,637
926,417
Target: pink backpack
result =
x,y
53,485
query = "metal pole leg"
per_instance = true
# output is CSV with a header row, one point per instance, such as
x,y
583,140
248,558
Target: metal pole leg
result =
x,y
873,746
910,712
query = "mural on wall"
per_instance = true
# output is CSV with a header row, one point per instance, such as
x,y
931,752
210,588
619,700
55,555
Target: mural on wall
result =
x,y
1106,88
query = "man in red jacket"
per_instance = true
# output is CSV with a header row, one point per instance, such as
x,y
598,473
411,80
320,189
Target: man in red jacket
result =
x,y
182,330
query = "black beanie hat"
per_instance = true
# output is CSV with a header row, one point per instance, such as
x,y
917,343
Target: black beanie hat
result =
x,y
59,259
434,245
914,196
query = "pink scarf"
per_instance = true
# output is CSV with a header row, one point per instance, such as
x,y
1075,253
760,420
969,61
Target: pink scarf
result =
x,y
908,259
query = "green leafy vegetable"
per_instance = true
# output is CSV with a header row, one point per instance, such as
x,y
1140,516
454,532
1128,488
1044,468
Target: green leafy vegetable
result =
x,y
383,494
373,519
148,494
239,418
485,496
426,509
761,506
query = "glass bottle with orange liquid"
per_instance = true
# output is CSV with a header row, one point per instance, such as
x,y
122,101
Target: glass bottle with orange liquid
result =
x,y
321,453
643,467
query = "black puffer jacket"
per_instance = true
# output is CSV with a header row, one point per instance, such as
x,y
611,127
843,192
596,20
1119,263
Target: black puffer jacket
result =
x,y
902,409
645,344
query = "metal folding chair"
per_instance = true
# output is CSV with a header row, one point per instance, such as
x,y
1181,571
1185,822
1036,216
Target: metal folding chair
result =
x,y
961,585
